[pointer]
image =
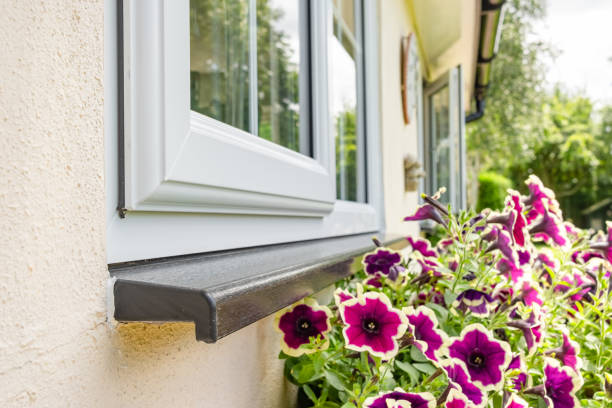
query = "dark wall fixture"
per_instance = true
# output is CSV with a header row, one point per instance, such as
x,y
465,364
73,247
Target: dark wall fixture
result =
x,y
491,17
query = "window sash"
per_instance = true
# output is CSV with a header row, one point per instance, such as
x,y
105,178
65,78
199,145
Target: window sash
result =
x,y
174,204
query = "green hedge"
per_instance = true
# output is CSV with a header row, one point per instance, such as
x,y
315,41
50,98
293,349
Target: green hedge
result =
x,y
492,189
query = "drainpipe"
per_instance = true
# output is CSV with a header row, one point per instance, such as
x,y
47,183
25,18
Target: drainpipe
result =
x,y
491,18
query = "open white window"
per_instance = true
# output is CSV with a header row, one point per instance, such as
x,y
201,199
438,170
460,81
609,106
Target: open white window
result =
x,y
444,147
245,123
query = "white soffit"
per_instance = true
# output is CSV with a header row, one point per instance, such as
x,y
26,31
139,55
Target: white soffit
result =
x,y
439,22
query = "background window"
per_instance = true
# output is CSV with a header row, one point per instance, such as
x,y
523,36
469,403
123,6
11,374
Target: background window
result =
x,y
444,145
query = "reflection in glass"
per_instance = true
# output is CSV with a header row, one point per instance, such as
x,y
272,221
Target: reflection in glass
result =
x,y
440,133
220,60
278,61
344,52
257,93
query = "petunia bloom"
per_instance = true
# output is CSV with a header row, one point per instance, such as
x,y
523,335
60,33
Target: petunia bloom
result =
x,y
560,386
423,325
567,353
341,295
510,270
539,198
520,380
301,322
485,358
381,260
372,324
549,228
426,212
422,246
394,398
459,379
456,399
605,246
519,231
531,328
477,302
504,244
516,402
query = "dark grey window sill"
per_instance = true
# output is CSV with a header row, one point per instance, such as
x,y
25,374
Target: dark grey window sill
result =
x,y
222,292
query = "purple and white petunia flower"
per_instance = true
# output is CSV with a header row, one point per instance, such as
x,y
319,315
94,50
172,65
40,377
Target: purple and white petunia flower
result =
x,y
341,296
568,352
503,243
459,379
539,198
372,325
519,231
560,386
520,380
605,246
549,228
373,281
506,219
456,399
426,212
301,322
524,256
516,402
381,261
392,398
509,270
485,358
477,302
423,325
529,292
422,246
532,328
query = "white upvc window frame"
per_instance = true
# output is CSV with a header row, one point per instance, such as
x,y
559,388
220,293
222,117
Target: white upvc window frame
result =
x,y
454,80
193,184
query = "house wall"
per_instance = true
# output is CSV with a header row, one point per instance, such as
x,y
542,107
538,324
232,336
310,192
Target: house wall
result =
x,y
57,348
398,139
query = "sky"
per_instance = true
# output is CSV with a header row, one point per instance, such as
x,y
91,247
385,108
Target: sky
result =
x,y
581,31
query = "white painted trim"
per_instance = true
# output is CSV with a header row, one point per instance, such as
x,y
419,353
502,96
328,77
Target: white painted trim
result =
x,y
146,235
169,147
210,217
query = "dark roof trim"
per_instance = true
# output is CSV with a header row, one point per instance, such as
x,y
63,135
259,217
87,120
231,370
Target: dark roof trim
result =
x,y
491,17
222,292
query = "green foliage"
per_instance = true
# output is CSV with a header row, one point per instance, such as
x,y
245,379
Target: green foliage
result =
x,y
492,189
526,129
566,304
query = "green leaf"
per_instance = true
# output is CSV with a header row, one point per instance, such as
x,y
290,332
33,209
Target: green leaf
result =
x,y
410,370
449,297
416,355
334,380
426,368
440,311
310,393
348,405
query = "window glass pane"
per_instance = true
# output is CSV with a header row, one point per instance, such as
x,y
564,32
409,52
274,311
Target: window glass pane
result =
x,y
278,63
220,60
344,57
440,141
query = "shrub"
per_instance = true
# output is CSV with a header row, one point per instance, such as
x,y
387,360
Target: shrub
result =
x,y
492,189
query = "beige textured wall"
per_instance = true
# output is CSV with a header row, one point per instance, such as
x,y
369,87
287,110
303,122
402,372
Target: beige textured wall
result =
x,y
398,139
56,349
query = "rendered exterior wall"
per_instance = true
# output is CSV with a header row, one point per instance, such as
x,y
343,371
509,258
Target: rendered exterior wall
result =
x,y
56,348
398,139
